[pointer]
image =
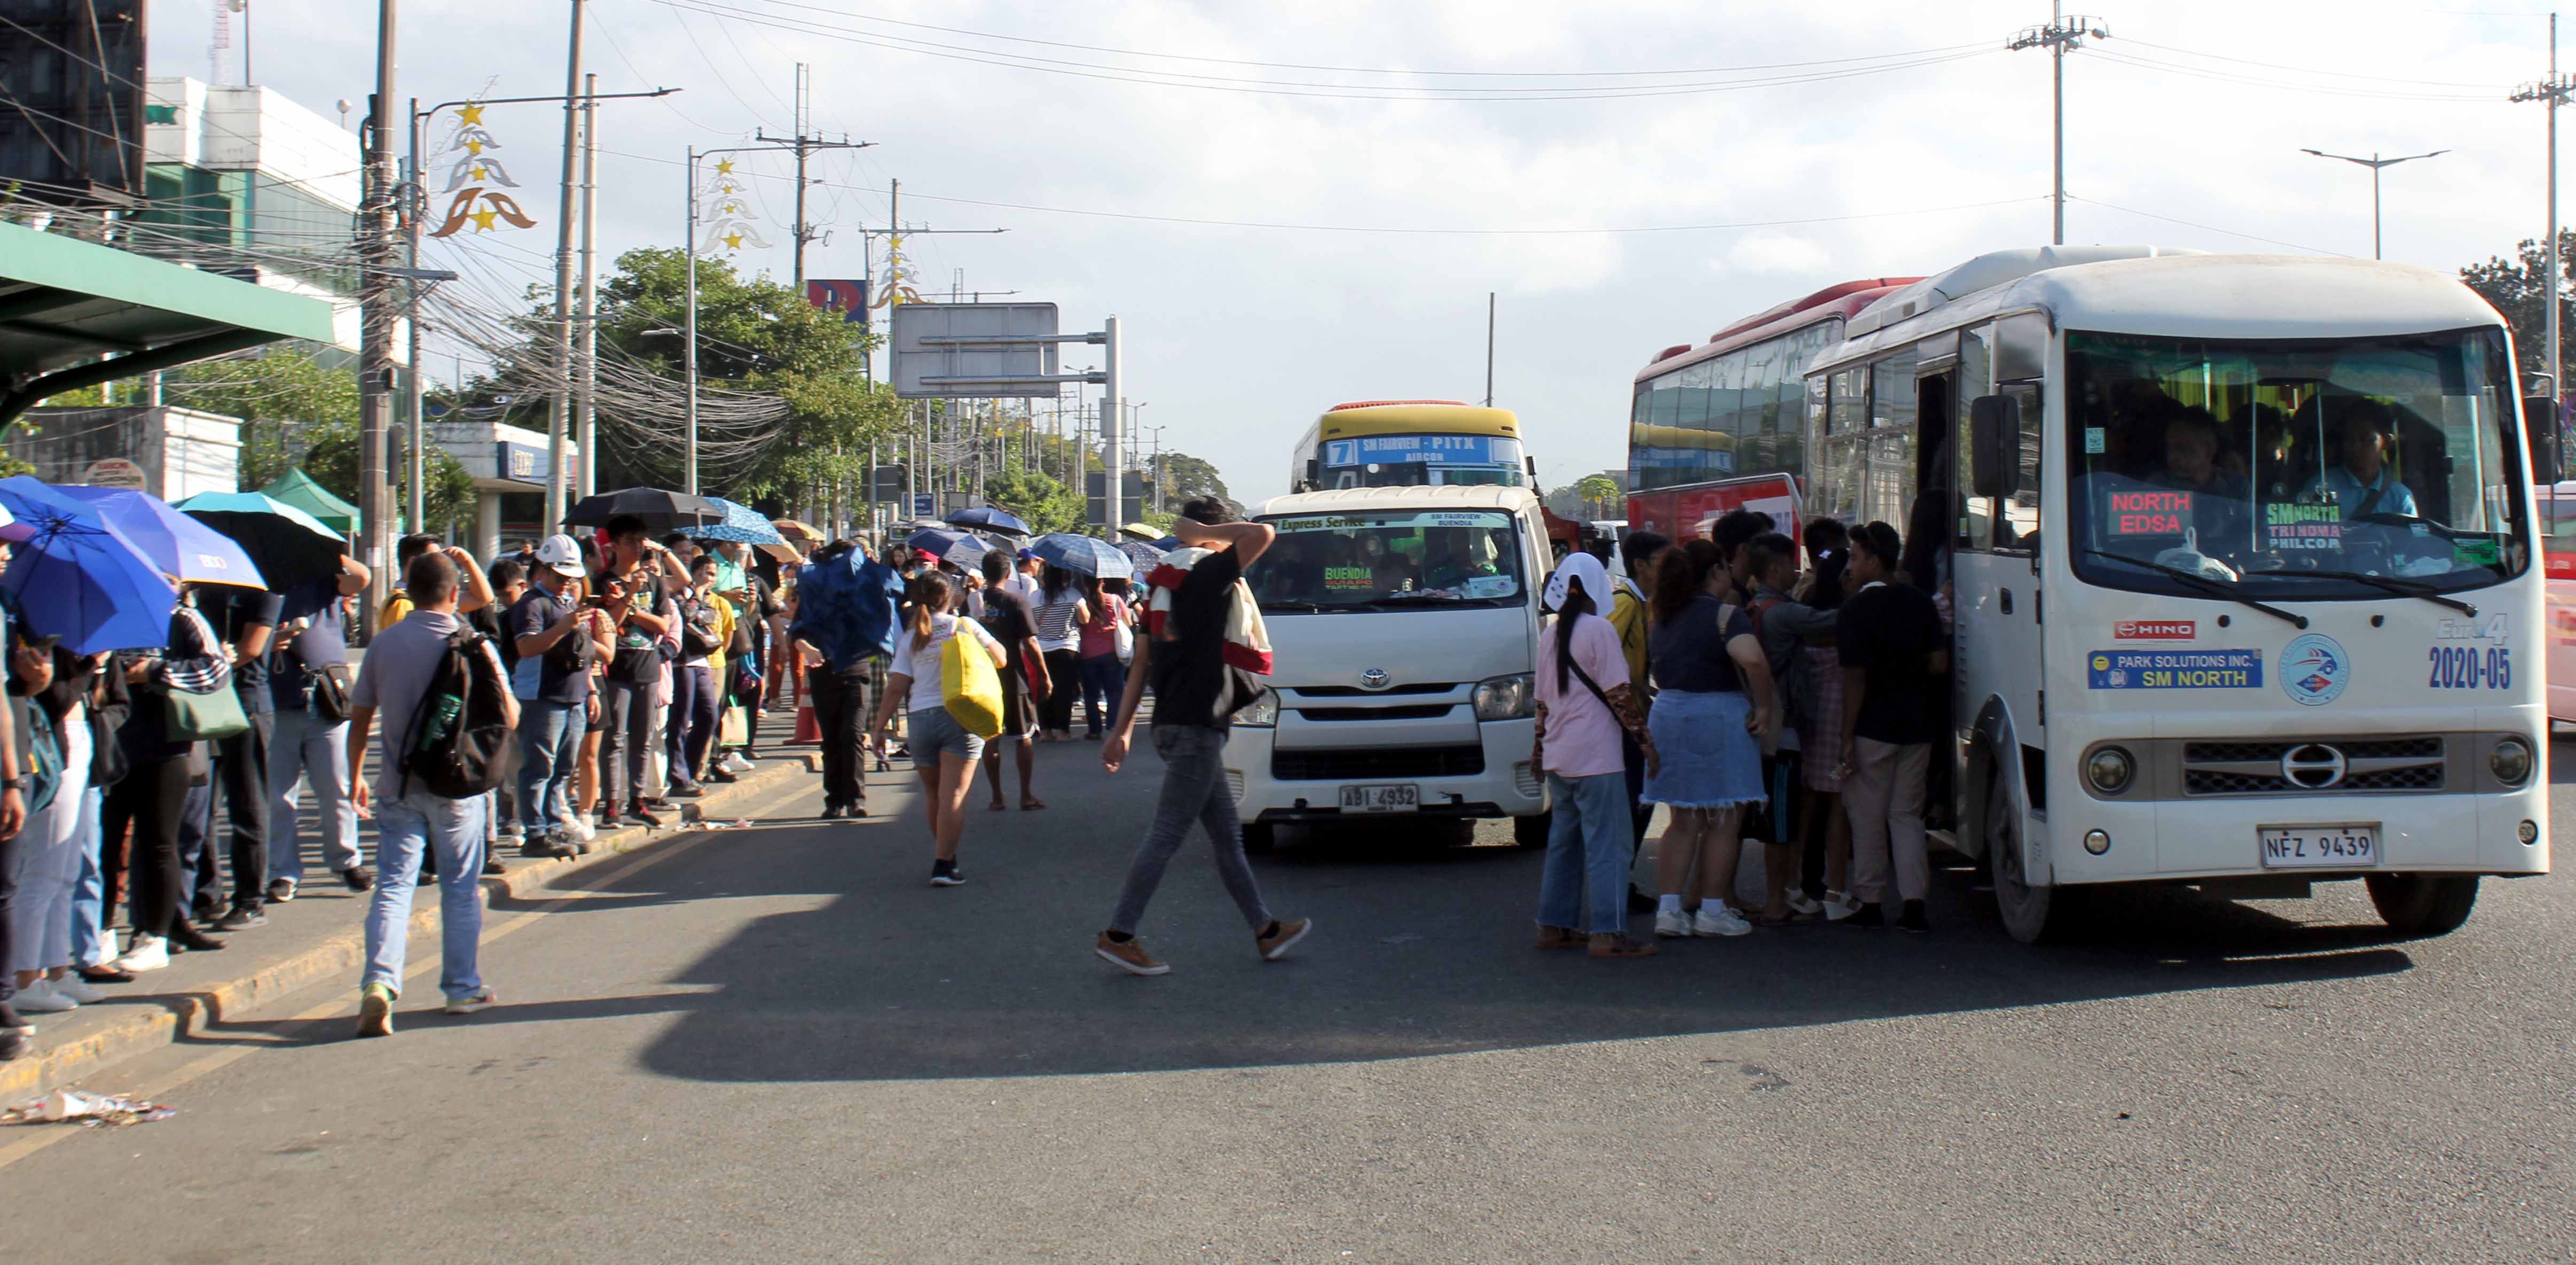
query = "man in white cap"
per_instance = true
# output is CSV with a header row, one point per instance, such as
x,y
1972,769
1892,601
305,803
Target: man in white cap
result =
x,y
557,641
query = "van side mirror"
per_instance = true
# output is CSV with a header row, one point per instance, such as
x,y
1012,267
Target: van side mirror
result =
x,y
2540,427
1994,445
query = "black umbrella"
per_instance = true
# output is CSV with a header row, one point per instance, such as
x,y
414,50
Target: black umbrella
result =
x,y
288,545
660,510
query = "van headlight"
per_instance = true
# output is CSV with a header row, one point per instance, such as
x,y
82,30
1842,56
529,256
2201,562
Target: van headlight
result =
x,y
2510,761
1261,712
1511,697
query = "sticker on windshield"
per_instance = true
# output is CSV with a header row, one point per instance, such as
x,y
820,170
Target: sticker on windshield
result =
x,y
2095,440
1380,522
1345,579
2174,669
2148,513
2315,670
1491,586
2289,527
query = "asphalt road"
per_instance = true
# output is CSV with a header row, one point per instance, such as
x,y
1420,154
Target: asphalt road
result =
x,y
779,1043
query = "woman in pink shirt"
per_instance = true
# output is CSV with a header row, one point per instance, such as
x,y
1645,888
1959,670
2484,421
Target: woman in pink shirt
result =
x,y
1584,702
1102,674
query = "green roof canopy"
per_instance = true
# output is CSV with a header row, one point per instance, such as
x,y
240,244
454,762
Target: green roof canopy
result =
x,y
298,489
65,302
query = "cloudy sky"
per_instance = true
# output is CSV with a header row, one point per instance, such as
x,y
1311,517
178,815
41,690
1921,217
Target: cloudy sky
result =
x,y
1281,223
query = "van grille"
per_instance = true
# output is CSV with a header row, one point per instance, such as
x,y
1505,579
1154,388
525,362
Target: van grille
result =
x,y
1353,691
1388,762
2371,765
1419,711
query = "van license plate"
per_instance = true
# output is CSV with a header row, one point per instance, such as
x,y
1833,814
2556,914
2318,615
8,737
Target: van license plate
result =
x,y
2320,847
1381,799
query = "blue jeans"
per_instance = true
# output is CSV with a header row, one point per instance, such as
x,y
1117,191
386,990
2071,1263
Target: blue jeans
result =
x,y
90,943
404,827
1194,792
1104,678
1586,873
693,721
549,759
306,750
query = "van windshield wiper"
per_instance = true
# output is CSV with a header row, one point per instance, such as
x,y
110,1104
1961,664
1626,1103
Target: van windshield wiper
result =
x,y
2202,583
2385,584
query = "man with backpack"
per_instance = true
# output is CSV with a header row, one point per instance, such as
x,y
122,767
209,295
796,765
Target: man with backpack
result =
x,y
447,715
557,640
845,619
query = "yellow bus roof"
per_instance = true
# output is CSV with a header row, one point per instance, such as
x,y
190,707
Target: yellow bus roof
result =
x,y
1411,419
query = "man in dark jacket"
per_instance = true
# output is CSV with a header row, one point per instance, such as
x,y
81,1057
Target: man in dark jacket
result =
x,y
845,616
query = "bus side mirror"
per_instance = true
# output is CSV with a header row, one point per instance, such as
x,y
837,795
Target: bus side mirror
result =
x,y
1994,439
2540,427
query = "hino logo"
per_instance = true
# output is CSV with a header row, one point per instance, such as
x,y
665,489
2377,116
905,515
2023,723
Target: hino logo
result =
x,y
2312,766
1373,679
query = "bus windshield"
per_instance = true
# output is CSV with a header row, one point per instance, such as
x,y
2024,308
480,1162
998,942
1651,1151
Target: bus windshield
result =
x,y
1382,559
2293,470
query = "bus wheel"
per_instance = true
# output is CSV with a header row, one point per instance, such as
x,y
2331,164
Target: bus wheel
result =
x,y
2423,904
2034,915
1531,832
1259,837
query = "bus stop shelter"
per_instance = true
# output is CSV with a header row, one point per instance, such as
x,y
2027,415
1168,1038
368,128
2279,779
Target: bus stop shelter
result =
x,y
76,314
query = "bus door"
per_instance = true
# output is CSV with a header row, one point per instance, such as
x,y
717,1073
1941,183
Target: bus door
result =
x,y
1933,513
1996,600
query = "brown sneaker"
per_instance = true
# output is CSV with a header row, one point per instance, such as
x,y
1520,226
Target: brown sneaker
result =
x,y
1130,957
1621,946
1560,938
1283,937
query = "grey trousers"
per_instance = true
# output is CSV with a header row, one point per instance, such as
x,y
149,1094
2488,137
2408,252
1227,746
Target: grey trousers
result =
x,y
1194,790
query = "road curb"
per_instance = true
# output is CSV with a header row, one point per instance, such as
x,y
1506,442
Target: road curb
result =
x,y
180,1016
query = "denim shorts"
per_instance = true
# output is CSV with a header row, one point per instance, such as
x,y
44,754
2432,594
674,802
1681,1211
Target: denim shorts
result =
x,y
933,731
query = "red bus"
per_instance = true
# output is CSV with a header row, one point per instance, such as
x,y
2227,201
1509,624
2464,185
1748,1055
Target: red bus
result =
x,y
1724,425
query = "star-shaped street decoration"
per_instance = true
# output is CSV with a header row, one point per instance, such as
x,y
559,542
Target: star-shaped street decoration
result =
x,y
470,114
725,165
480,173
483,219
474,147
733,241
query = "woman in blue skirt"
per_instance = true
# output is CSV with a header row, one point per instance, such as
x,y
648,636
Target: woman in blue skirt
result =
x,y
1711,722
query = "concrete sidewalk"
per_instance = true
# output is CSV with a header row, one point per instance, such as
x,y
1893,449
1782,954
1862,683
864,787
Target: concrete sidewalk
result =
x,y
319,935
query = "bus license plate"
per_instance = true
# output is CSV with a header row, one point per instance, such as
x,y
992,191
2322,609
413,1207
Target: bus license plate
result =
x,y
2322,847
1381,799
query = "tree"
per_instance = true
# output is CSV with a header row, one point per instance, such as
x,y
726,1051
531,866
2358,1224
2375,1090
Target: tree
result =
x,y
2519,291
1044,503
1185,476
1598,491
285,400
331,456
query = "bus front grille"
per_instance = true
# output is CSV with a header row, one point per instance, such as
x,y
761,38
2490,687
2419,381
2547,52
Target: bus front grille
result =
x,y
2259,767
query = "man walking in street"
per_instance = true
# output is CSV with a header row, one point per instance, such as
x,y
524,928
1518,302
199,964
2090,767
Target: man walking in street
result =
x,y
401,667
1888,637
845,618
1204,642
557,640
310,688
1013,621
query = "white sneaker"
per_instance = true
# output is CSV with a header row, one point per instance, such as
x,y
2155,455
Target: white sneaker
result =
x,y
147,953
1718,920
39,998
579,828
77,989
1672,923
1802,904
1839,906
479,999
734,762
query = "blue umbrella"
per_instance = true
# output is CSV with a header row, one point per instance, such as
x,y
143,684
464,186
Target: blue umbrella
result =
x,y
987,518
76,578
741,523
1085,555
1146,555
176,543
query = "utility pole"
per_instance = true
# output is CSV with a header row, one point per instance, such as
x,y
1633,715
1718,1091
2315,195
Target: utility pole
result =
x,y
416,459
2375,163
2060,35
2552,93
559,407
805,147
586,390
376,325
1489,351
1112,455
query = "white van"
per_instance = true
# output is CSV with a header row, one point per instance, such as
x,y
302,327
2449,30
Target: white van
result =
x,y
1403,625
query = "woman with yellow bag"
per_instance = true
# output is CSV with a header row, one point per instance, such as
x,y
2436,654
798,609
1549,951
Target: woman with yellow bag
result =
x,y
944,669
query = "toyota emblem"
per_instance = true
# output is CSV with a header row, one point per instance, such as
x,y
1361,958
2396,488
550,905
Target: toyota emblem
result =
x,y
1373,679
2312,766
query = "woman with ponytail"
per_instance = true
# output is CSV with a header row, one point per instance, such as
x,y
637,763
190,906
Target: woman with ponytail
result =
x,y
1714,720
1585,701
943,752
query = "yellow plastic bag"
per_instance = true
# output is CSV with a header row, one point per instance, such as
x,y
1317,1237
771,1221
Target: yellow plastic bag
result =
x,y
968,686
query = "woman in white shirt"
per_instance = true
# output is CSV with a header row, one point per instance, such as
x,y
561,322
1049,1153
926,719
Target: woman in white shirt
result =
x,y
1061,614
943,752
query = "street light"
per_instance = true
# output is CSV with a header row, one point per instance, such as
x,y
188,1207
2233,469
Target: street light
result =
x,y
2374,162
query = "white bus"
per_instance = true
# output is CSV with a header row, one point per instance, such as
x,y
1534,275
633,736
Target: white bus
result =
x,y
2243,564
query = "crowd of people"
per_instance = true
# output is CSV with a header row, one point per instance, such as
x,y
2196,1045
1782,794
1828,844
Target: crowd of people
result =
x,y
1760,701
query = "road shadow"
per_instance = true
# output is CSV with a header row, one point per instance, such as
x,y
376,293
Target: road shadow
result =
x,y
1422,947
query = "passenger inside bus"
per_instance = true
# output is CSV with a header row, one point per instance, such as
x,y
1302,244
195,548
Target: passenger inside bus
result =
x,y
2361,482
2220,502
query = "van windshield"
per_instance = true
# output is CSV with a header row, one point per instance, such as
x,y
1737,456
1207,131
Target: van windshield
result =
x,y
1373,560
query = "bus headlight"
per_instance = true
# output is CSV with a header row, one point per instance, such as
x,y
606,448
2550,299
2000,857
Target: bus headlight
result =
x,y
2109,770
2510,761
1507,697
1262,712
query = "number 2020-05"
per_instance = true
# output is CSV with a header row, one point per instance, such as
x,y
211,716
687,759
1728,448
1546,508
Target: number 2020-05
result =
x,y
2469,668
